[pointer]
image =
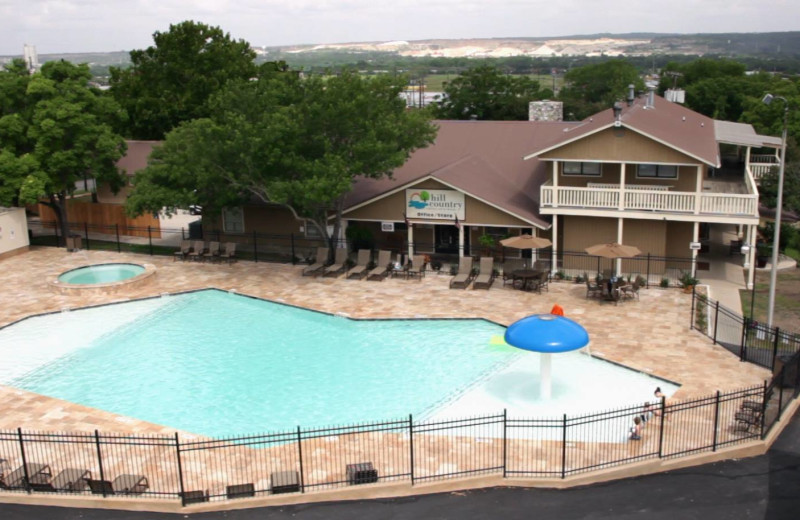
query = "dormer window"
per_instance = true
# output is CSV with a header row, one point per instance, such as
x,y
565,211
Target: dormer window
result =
x,y
656,171
589,169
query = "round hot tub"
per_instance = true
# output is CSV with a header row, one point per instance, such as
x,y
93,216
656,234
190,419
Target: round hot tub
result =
x,y
103,277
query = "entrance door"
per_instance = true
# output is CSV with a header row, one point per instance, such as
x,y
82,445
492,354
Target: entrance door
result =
x,y
446,238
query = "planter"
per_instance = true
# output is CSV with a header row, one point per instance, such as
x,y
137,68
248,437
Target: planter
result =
x,y
688,289
761,261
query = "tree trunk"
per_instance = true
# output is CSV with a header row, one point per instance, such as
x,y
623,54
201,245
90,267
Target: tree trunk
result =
x,y
58,203
337,221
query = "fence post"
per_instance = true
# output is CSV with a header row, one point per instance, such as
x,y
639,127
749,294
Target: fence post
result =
x,y
716,322
780,393
648,270
291,239
255,247
691,318
564,447
119,246
300,455
598,265
775,347
763,409
661,427
716,422
180,469
745,331
99,459
86,234
411,445
505,440
24,461
150,240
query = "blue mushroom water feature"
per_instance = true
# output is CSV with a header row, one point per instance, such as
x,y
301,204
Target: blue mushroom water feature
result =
x,y
547,334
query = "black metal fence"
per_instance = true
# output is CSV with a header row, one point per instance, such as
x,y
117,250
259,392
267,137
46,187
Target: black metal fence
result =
x,y
751,340
302,460
297,248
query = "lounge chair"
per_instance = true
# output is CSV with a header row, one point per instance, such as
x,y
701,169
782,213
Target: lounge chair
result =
x,y
382,269
229,253
593,289
464,276
122,485
486,276
197,250
183,252
416,267
70,479
362,262
37,474
213,252
339,263
322,259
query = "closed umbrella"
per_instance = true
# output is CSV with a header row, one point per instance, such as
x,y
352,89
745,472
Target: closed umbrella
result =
x,y
613,250
526,242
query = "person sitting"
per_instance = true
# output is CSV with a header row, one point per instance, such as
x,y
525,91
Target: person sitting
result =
x,y
636,430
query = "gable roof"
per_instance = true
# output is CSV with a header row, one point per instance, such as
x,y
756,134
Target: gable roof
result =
x,y
484,159
669,123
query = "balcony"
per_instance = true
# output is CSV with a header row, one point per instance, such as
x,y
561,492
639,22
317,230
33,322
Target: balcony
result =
x,y
713,201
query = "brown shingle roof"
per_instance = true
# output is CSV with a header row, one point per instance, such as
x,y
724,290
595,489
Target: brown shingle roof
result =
x,y
136,157
669,123
481,158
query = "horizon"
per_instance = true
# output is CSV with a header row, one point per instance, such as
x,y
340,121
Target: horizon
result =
x,y
91,26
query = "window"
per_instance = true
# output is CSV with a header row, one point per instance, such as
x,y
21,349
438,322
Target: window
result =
x,y
656,171
233,220
582,168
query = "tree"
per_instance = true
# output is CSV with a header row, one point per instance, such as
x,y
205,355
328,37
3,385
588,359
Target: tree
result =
x,y
768,188
300,142
593,88
54,135
485,93
172,81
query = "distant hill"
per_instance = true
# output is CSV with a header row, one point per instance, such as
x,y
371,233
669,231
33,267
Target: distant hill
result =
x,y
780,45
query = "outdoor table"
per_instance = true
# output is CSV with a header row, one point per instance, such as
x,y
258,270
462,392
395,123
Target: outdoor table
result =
x,y
527,276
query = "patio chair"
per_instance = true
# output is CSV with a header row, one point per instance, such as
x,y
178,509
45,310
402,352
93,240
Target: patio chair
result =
x,y
593,289
509,266
486,276
197,496
183,252
122,485
747,420
416,267
240,490
319,263
362,261
36,474
630,291
198,249
213,252
229,253
464,276
338,265
69,480
541,282
382,269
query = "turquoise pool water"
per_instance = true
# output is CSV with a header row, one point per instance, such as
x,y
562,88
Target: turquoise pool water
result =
x,y
103,273
216,363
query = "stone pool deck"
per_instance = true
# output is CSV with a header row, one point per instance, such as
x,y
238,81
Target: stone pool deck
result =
x,y
651,335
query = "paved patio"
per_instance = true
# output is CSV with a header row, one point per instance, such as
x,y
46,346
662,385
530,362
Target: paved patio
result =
x,y
651,335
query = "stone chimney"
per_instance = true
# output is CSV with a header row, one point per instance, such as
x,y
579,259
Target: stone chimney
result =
x,y
546,111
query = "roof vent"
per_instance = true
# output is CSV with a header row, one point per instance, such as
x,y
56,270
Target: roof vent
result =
x,y
651,97
631,94
617,114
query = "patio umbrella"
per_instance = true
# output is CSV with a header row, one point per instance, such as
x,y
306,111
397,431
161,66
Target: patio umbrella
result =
x,y
525,242
613,250
547,334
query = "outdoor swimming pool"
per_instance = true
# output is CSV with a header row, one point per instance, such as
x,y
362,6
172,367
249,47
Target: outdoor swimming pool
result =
x,y
216,363
102,273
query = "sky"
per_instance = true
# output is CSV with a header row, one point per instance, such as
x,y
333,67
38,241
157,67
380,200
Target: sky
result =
x,y
66,26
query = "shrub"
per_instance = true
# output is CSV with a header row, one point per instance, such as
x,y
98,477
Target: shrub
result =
x,y
664,282
686,279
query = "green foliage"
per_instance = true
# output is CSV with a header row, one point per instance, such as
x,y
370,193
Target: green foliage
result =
x,y
487,241
173,80
686,279
55,133
359,237
287,140
485,93
664,283
768,188
593,88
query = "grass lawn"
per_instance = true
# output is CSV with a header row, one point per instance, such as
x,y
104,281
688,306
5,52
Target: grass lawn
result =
x,y
787,299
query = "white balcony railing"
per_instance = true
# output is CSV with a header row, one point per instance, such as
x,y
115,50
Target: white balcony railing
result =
x,y
649,200
761,164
